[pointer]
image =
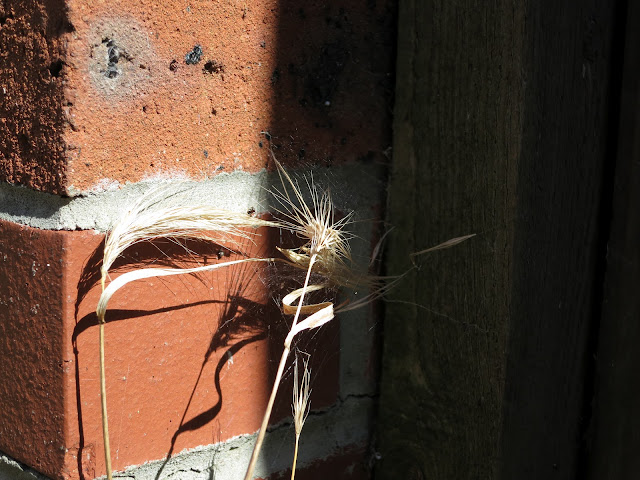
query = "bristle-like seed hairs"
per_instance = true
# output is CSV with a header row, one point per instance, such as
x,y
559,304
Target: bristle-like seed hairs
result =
x,y
300,406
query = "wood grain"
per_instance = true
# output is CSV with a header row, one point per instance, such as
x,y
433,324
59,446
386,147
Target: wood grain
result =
x,y
500,130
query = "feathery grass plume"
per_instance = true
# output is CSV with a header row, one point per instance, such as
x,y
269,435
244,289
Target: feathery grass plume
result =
x,y
152,217
327,244
326,240
300,406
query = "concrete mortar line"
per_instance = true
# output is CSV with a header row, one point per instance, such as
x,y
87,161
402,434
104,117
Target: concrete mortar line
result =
x,y
353,187
326,433
11,469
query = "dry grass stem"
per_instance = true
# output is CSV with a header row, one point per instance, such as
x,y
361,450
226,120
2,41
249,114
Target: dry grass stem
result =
x,y
325,253
152,217
327,245
327,248
441,246
129,277
300,406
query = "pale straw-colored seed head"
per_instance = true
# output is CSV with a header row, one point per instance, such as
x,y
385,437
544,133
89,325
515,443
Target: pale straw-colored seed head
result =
x,y
152,217
301,393
326,238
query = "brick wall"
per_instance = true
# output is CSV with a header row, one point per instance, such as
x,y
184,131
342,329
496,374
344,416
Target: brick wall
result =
x,y
98,102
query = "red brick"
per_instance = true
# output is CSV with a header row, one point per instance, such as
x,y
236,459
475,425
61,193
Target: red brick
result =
x,y
157,338
316,76
33,369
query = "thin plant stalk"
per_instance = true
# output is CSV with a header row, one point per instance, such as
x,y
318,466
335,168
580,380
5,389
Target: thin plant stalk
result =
x,y
103,399
283,360
327,244
295,457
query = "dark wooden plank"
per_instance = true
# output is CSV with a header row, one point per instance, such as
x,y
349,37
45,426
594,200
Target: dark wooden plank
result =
x,y
616,446
559,246
501,130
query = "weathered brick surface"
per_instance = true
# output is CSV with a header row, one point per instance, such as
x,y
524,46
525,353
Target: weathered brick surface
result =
x,y
33,47
189,360
95,94
32,366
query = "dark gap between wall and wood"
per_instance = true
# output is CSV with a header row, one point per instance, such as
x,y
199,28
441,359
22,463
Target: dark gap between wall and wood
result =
x,y
615,428
605,216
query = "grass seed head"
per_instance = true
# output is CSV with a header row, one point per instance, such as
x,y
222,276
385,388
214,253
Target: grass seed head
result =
x,y
152,217
301,393
327,241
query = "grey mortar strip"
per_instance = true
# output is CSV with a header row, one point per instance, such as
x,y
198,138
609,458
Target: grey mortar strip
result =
x,y
354,187
12,470
326,433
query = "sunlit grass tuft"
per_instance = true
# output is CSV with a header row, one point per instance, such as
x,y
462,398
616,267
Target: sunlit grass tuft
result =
x,y
153,217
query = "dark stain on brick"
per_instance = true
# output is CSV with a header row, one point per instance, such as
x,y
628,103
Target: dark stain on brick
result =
x,y
3,20
213,66
23,141
193,56
322,78
275,76
114,54
55,68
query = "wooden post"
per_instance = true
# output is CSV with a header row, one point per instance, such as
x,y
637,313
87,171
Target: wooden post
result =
x,y
501,129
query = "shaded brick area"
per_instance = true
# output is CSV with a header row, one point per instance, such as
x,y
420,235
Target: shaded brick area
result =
x,y
333,81
33,365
